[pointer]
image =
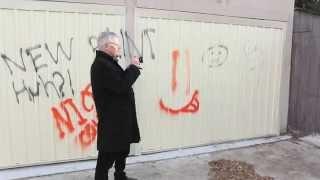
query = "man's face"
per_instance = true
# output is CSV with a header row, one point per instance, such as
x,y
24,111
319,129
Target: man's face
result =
x,y
113,47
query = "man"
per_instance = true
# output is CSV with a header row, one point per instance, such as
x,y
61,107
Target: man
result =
x,y
114,99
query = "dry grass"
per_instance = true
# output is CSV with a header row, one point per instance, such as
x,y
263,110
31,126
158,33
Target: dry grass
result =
x,y
233,170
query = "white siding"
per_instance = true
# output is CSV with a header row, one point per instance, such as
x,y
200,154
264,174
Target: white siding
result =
x,y
236,70
29,132
232,71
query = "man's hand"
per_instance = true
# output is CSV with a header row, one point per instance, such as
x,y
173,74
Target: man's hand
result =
x,y
135,61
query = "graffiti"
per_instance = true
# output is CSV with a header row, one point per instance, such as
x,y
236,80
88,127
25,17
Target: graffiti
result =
x,y
175,57
130,48
215,56
41,61
50,86
130,44
67,124
35,57
22,90
253,54
59,46
92,40
188,72
32,93
145,33
193,105
66,121
8,60
52,83
174,82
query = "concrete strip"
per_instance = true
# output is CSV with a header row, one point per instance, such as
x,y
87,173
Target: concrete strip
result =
x,y
86,165
312,139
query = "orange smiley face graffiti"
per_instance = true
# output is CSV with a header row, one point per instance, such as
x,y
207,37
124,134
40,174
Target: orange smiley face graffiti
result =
x,y
192,106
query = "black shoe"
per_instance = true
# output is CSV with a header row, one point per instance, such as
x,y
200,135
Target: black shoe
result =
x,y
129,178
122,176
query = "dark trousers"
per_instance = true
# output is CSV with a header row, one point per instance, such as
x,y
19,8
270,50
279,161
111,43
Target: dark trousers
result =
x,y
105,162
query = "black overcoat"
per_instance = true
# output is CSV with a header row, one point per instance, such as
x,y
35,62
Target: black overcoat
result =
x,y
115,104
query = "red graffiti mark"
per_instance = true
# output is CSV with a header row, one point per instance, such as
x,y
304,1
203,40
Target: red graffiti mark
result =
x,y
60,120
66,121
87,129
193,105
175,57
88,135
188,72
86,93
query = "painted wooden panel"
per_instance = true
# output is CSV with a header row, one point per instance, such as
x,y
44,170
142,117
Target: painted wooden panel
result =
x,y
205,82
47,112
201,82
304,96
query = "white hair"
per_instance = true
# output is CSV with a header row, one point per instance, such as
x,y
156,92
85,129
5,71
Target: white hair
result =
x,y
104,38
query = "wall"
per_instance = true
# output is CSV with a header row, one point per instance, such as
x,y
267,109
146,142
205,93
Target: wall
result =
x,y
229,11
304,97
231,8
47,107
206,82
211,74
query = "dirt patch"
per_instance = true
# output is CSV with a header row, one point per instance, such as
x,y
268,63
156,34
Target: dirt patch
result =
x,y
233,170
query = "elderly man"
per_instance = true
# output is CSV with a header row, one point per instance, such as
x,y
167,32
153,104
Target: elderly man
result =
x,y
114,99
